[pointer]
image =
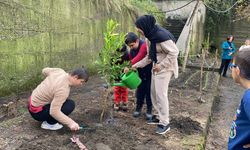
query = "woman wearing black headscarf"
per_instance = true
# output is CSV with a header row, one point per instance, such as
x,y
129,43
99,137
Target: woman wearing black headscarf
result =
x,y
163,52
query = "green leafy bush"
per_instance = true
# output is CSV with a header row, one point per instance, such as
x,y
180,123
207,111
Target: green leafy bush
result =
x,y
108,56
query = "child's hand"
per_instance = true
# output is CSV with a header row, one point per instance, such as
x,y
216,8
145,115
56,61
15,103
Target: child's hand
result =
x,y
246,146
133,67
126,69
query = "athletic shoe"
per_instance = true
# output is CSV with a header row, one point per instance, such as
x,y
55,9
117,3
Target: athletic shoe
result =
x,y
153,120
116,107
161,129
148,116
47,126
124,106
136,114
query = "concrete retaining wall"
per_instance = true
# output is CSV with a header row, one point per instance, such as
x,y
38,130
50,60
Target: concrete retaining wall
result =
x,y
192,34
47,33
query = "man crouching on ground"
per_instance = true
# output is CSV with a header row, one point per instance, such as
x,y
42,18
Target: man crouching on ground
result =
x,y
49,101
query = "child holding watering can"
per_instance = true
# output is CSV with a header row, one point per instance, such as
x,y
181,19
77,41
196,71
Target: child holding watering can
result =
x,y
138,50
121,92
163,52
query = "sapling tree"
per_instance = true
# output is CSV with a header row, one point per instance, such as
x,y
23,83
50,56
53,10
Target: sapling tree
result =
x,y
109,55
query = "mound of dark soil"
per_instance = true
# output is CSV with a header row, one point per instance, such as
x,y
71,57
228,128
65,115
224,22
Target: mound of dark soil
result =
x,y
185,125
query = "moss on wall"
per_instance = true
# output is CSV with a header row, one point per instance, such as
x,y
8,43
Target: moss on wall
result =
x,y
53,33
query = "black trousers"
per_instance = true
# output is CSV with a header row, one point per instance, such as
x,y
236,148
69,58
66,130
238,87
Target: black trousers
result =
x,y
224,66
142,92
44,115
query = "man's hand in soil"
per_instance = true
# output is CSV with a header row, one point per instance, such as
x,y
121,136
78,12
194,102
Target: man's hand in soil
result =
x,y
74,126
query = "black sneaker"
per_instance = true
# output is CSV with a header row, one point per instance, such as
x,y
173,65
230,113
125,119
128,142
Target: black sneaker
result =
x,y
148,116
161,129
136,114
153,120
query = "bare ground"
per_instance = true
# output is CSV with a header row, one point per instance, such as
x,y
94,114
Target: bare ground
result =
x,y
118,130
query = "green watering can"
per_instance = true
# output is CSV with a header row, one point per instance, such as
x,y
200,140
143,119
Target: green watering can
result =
x,y
130,80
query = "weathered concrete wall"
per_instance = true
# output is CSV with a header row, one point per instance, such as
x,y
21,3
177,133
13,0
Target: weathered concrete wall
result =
x,y
240,30
182,13
192,34
55,33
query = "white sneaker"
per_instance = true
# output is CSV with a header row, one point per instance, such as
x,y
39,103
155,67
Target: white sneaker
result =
x,y
47,126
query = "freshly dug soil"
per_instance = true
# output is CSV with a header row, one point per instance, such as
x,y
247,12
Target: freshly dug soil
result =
x,y
117,130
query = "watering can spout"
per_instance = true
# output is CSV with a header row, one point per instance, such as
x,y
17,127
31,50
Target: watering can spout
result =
x,y
119,84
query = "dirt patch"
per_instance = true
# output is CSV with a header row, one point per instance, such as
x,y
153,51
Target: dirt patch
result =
x,y
118,130
186,125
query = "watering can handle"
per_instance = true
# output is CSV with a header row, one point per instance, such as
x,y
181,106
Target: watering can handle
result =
x,y
129,70
122,75
136,71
